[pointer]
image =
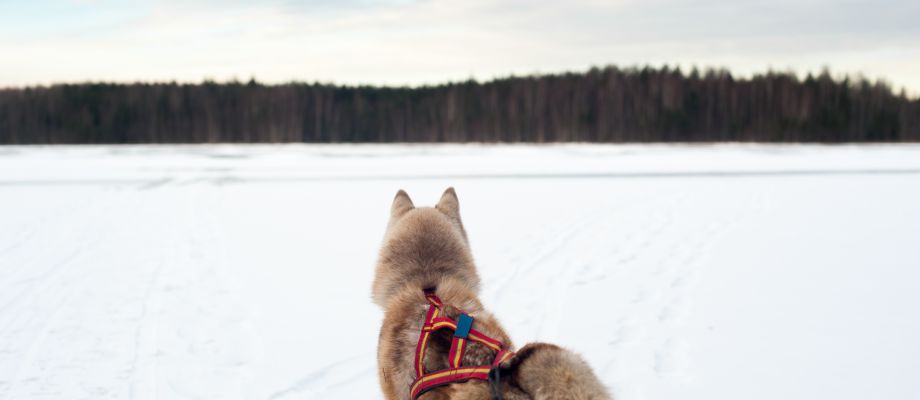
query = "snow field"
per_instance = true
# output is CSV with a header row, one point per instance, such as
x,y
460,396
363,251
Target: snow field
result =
x,y
243,272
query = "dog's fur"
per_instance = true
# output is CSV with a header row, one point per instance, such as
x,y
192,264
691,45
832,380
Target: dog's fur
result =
x,y
427,248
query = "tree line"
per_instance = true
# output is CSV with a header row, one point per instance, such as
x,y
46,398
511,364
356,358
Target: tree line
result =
x,y
601,105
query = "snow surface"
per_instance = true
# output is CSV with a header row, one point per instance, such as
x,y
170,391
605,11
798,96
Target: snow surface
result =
x,y
243,272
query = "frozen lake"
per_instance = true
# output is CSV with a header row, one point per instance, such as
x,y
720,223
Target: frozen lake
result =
x,y
243,272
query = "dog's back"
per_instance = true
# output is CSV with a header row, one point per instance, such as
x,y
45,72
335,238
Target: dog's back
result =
x,y
427,249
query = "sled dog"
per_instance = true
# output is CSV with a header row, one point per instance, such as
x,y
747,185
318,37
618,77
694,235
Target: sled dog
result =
x,y
437,340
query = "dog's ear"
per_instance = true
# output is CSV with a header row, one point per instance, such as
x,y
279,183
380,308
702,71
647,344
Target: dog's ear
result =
x,y
449,204
401,204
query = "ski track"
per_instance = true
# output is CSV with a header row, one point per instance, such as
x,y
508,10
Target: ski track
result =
x,y
151,299
126,290
555,268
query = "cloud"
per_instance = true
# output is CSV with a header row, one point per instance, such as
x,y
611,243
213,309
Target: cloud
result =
x,y
402,41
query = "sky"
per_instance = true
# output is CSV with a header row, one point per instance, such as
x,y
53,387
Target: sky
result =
x,y
399,42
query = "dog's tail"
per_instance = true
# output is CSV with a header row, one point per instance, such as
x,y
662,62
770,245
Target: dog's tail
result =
x,y
546,371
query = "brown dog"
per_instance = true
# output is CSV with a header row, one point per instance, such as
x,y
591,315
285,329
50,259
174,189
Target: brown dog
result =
x,y
427,248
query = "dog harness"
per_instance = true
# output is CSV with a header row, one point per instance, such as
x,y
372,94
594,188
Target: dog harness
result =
x,y
463,334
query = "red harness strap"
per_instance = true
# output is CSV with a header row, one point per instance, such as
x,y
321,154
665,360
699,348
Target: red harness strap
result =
x,y
463,333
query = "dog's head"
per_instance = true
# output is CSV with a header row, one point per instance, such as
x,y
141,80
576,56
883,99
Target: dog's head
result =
x,y
422,247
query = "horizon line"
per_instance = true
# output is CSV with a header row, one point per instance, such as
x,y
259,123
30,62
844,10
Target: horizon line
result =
x,y
685,70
